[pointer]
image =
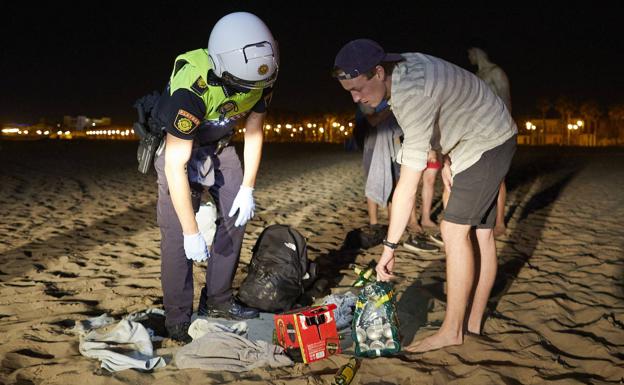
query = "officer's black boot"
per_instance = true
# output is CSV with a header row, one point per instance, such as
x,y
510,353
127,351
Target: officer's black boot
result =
x,y
232,309
179,332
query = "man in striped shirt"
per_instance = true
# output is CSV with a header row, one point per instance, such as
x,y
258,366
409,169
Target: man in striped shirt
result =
x,y
442,106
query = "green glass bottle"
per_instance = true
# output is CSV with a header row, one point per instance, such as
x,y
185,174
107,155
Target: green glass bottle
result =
x,y
364,276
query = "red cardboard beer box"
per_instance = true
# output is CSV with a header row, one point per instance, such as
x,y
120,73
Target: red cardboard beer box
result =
x,y
312,330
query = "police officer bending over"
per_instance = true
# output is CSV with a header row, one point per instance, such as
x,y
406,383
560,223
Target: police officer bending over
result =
x,y
207,92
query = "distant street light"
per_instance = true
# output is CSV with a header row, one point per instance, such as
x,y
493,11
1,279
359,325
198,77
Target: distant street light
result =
x,y
580,124
572,127
531,128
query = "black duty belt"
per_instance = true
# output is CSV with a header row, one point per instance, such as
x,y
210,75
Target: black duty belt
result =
x,y
218,144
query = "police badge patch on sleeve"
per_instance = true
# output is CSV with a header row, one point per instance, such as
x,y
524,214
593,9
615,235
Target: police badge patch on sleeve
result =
x,y
200,87
185,122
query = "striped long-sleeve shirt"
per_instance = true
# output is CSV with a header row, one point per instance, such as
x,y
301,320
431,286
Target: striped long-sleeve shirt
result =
x,y
440,103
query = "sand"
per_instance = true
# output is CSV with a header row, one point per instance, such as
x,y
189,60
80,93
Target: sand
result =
x,y
79,238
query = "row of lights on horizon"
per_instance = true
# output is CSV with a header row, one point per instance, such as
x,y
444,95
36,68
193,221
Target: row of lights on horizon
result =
x,y
579,124
126,132
289,127
19,131
130,132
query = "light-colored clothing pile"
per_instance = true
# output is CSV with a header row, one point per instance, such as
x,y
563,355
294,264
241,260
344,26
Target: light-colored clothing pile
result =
x,y
127,346
345,305
218,347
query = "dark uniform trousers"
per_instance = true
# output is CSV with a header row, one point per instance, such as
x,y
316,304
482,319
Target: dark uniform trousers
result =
x,y
176,269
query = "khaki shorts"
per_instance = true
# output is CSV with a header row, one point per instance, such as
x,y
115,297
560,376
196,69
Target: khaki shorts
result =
x,y
475,190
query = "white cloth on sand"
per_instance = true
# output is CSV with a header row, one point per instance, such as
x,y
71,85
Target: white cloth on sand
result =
x,y
126,346
200,327
84,326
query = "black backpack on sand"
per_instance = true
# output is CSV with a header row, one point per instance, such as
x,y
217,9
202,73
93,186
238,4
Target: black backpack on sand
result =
x,y
276,276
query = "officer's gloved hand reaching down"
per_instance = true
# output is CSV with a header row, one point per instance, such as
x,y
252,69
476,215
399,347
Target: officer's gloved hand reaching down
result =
x,y
195,247
244,203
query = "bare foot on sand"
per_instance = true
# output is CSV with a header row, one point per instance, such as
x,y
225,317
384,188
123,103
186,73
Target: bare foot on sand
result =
x,y
434,342
499,230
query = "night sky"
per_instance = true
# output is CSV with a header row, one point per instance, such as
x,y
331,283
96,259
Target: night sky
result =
x,y
95,59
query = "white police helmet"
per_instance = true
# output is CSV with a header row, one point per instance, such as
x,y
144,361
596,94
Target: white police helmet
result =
x,y
243,51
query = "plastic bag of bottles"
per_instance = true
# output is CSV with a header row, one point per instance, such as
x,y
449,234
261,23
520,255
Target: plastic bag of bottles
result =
x,y
375,327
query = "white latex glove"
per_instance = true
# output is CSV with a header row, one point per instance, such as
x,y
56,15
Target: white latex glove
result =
x,y
245,205
195,247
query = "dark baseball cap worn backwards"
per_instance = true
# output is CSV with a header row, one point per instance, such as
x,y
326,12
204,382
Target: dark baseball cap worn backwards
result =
x,y
359,56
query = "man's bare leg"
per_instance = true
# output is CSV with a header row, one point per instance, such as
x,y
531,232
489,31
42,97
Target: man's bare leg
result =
x,y
459,280
500,228
413,227
372,211
429,177
487,275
